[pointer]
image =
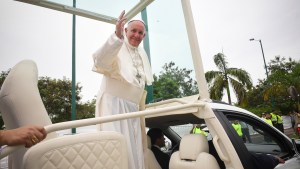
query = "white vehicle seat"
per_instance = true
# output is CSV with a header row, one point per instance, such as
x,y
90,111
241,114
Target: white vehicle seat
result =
x,y
103,150
193,154
21,104
151,162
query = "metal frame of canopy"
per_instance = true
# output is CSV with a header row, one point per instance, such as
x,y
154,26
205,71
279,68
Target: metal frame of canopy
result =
x,y
189,21
88,14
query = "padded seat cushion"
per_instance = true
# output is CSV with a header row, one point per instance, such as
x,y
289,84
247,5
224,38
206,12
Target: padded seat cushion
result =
x,y
193,154
105,150
190,147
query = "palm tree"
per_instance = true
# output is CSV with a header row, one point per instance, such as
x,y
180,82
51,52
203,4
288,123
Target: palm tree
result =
x,y
218,81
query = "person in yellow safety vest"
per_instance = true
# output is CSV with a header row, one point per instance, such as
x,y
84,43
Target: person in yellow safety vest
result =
x,y
237,127
268,119
197,130
274,119
280,122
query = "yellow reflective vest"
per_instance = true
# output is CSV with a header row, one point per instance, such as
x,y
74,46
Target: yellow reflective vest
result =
x,y
199,131
273,118
268,121
279,119
238,129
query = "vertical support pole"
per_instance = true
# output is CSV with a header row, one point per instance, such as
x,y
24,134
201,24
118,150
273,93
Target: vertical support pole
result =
x,y
193,40
146,44
73,116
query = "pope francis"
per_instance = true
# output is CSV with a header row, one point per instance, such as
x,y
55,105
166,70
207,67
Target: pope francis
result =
x,y
126,71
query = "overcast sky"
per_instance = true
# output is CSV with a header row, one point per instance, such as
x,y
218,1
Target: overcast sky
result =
x,y
45,36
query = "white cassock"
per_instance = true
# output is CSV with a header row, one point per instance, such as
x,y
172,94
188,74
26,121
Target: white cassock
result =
x,y
125,70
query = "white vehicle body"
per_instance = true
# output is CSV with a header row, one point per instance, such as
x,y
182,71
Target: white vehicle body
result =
x,y
229,147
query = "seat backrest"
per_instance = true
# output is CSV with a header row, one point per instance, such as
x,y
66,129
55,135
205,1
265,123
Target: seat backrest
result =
x,y
21,103
20,100
105,149
193,154
150,160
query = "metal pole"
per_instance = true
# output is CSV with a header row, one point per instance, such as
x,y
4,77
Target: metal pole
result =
x,y
73,115
195,50
146,44
266,68
262,51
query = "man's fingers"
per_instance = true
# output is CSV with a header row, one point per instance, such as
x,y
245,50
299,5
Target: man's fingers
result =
x,y
34,139
43,132
122,15
121,19
120,25
121,22
39,132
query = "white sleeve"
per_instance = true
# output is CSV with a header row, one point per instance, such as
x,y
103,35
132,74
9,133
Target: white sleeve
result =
x,y
106,56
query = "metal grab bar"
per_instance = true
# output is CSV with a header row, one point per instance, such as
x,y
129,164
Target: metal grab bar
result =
x,y
98,120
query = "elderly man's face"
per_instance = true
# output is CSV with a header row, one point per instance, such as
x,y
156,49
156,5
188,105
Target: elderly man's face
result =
x,y
135,33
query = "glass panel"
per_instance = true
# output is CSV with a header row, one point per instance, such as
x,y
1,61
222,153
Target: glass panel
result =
x,y
185,129
167,35
255,137
182,130
110,8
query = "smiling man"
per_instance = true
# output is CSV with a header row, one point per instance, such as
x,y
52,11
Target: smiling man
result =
x,y
126,71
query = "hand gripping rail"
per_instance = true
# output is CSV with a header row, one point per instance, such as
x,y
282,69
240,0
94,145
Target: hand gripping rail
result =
x,y
92,121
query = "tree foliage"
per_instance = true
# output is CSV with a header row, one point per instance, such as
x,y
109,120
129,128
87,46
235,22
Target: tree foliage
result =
x,y
218,81
57,97
173,82
271,94
284,73
3,75
86,110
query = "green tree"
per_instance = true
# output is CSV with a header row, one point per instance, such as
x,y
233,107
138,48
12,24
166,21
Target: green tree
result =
x,y
86,110
218,81
255,97
3,75
271,94
283,74
173,82
57,96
